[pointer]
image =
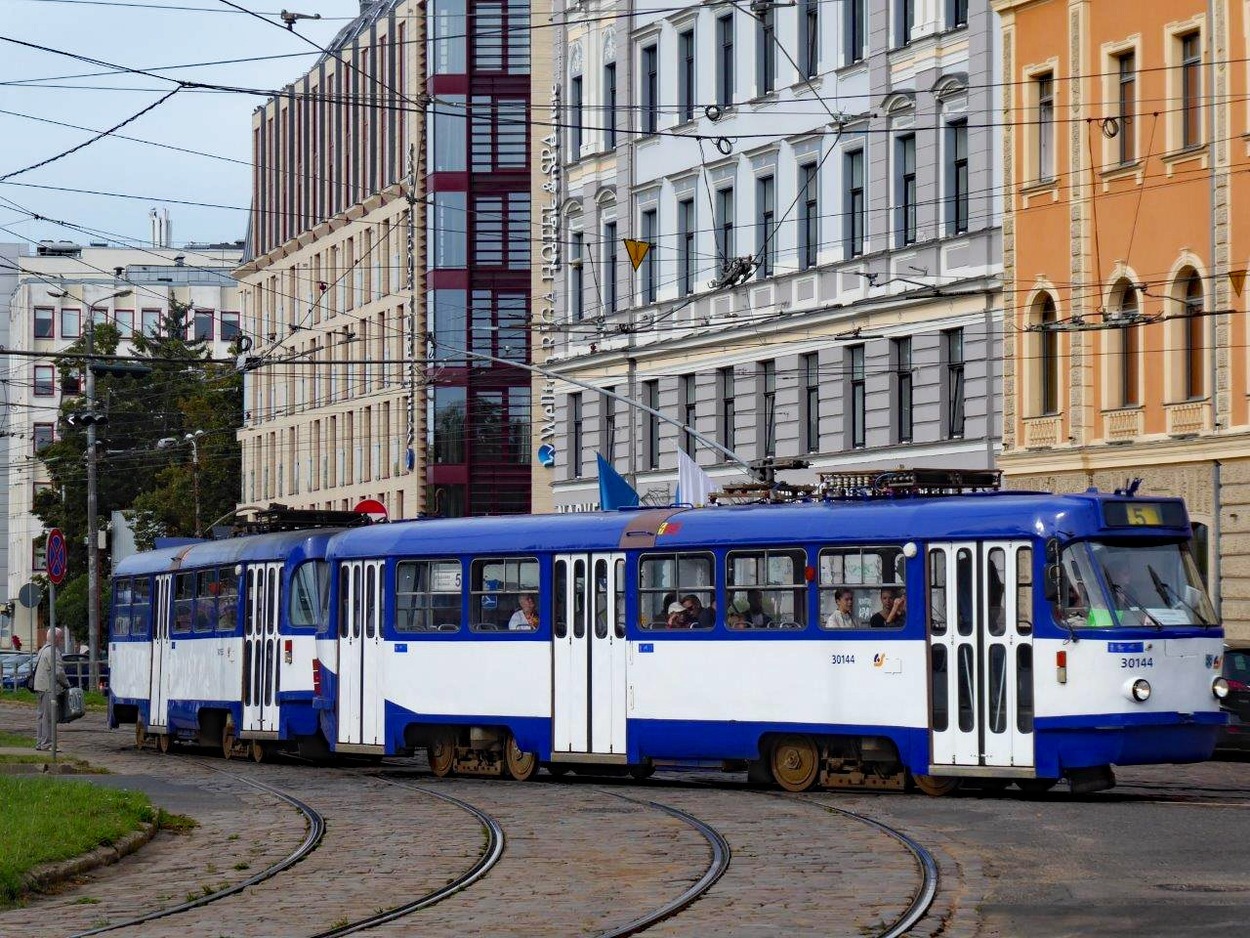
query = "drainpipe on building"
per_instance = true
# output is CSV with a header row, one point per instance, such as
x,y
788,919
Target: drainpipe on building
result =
x,y
1213,371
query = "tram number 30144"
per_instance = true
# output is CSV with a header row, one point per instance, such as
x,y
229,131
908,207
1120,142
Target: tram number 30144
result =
x,y
1137,662
841,659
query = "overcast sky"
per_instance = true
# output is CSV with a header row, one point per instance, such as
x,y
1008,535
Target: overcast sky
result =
x,y
170,37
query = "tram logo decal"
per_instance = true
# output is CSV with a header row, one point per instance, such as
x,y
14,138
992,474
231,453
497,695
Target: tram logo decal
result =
x,y
878,660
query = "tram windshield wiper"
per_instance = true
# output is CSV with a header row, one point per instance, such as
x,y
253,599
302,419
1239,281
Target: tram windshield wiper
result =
x,y
1171,597
1133,604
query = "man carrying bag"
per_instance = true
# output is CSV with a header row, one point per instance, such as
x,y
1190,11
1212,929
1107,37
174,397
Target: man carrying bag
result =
x,y
50,680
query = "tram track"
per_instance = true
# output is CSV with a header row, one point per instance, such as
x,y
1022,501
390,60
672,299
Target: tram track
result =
x,y
314,833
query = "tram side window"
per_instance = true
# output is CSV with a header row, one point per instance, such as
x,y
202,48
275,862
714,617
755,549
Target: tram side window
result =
x,y
141,607
227,599
766,589
496,589
123,594
668,579
184,602
428,596
874,577
310,595
205,619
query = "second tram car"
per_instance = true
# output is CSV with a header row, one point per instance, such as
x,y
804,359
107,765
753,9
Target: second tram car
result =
x,y
865,641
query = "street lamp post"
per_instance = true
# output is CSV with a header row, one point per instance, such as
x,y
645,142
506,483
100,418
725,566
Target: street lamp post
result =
x,y
193,439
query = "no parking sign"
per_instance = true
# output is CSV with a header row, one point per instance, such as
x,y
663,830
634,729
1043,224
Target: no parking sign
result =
x,y
58,557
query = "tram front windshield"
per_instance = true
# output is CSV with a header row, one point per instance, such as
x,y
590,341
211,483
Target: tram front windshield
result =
x,y
1104,585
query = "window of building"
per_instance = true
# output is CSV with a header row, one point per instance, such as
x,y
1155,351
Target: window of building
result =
x,y
1191,89
496,588
765,52
449,139
725,60
500,36
125,319
499,326
686,77
577,243
150,319
953,357
501,230
905,156
449,314
610,272
809,216
448,425
45,326
904,21
1048,360
609,105
447,37
856,395
855,206
903,377
957,177
855,29
1126,90
685,246
874,576
45,381
1127,310
607,432
650,89
766,212
664,579
448,238
1044,91
45,436
811,402
577,453
647,270
39,557
71,323
766,589
727,409
768,408
956,13
574,111
428,596
689,413
809,38
651,397
725,223
203,327
229,327
1195,324
499,135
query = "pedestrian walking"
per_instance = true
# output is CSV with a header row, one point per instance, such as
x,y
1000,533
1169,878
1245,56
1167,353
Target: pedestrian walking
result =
x,y
50,680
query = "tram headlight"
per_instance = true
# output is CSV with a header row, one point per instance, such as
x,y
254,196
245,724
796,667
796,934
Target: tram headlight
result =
x,y
1219,687
1138,690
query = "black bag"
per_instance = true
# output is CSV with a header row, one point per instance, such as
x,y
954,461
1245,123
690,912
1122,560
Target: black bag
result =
x,y
30,681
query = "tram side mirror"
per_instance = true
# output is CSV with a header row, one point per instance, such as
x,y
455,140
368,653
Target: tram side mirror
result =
x,y
1051,574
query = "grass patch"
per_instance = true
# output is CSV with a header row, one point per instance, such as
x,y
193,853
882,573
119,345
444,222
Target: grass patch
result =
x,y
45,820
16,740
176,823
93,700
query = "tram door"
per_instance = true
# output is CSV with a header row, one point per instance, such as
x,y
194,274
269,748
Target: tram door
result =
x,y
158,695
589,654
360,710
981,653
262,611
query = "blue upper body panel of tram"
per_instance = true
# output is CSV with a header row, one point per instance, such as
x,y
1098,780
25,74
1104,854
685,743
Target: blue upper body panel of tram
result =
x,y
292,546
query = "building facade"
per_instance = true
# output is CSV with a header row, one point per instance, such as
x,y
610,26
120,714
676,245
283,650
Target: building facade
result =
x,y
1125,262
11,256
819,189
56,290
381,176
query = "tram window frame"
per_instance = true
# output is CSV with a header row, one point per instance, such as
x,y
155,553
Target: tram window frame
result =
x,y
309,598
184,603
559,597
141,608
599,578
619,599
938,584
344,603
227,599
525,570
867,592
412,615
1024,590
372,605
654,618
123,596
204,618
797,589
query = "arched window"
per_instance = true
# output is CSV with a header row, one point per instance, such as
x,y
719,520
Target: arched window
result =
x,y
1126,311
1048,357
1195,324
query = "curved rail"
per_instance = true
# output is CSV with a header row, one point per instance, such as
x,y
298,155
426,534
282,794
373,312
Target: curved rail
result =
x,y
316,830
495,841
927,892
721,855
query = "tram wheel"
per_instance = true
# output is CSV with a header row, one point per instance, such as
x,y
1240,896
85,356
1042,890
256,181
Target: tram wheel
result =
x,y
228,740
519,764
164,742
794,762
1036,786
641,770
256,750
141,734
442,753
937,785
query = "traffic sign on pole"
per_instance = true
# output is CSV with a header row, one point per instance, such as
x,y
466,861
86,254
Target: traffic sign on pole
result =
x,y
57,556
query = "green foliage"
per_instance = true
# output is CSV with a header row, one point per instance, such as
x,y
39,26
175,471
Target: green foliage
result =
x,y
71,604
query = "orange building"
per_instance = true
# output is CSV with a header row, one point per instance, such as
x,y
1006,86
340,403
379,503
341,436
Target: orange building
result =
x,y
1126,134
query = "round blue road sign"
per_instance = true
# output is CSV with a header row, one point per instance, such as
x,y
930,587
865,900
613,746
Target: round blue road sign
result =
x,y
58,557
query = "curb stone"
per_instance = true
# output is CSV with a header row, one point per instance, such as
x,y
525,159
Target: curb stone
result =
x,y
50,874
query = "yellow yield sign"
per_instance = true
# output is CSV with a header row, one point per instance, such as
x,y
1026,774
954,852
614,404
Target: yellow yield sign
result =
x,y
637,251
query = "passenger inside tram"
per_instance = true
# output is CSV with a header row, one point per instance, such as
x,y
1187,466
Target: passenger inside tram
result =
x,y
526,617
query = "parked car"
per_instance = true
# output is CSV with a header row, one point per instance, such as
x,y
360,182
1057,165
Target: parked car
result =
x,y
14,667
1236,735
78,670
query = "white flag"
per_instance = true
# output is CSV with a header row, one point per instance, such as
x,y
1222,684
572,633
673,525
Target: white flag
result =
x,y
693,484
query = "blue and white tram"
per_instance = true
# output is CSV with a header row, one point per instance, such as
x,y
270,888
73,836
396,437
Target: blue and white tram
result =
x,y
991,637
214,642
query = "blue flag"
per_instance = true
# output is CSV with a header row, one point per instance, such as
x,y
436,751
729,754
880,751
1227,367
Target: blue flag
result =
x,y
614,491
